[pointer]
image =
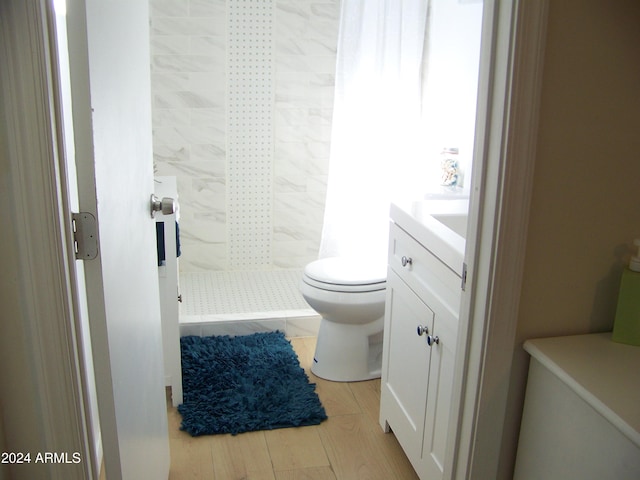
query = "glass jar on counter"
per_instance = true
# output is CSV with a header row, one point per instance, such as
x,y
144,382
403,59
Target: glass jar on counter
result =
x,y
450,167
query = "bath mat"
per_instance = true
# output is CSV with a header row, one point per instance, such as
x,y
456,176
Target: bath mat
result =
x,y
244,383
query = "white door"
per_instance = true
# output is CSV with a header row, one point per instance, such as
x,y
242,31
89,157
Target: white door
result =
x,y
110,86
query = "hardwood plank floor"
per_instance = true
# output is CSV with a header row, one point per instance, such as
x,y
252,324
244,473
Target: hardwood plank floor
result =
x,y
350,445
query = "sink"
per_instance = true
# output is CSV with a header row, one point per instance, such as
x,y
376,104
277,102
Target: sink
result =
x,y
454,221
440,225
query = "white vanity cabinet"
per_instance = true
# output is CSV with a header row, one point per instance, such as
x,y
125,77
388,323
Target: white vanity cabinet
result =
x,y
169,291
420,336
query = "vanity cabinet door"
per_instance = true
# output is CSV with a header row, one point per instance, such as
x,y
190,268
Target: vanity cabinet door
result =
x,y
406,367
417,375
439,392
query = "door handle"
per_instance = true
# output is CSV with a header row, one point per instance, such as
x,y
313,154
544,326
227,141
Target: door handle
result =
x,y
166,206
431,340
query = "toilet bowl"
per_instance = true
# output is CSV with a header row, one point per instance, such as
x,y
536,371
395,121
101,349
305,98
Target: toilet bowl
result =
x,y
349,295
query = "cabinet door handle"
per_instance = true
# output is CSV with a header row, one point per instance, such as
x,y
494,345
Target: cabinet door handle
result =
x,y
422,329
431,340
406,261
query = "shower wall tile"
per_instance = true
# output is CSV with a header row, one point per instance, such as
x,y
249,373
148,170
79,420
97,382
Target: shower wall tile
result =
x,y
207,8
216,185
190,134
168,82
185,63
304,133
250,67
306,63
317,184
184,99
305,72
207,232
208,116
169,8
214,155
292,259
169,45
303,234
294,233
190,26
322,115
289,183
213,82
199,135
206,192
315,154
200,258
171,116
302,45
290,164
165,155
209,45
297,227
190,94
319,154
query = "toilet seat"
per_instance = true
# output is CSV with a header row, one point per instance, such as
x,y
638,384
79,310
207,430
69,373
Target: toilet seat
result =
x,y
345,275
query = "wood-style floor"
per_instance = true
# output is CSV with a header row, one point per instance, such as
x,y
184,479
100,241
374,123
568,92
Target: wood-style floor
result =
x,y
349,445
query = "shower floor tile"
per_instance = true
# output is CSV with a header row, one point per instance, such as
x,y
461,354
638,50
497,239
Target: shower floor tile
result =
x,y
234,303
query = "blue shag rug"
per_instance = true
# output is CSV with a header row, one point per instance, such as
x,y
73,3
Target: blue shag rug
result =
x,y
245,383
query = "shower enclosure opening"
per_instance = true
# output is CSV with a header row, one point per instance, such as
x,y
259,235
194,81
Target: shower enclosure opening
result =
x,y
243,103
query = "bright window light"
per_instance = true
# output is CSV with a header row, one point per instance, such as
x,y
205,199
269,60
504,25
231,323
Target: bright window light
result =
x,y
60,7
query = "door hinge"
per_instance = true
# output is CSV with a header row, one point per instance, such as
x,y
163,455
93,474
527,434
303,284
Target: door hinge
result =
x,y
85,236
463,285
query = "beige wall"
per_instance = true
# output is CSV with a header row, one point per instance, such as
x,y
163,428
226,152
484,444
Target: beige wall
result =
x,y
585,209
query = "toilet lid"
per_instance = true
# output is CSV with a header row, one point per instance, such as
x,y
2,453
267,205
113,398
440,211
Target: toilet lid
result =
x,y
345,271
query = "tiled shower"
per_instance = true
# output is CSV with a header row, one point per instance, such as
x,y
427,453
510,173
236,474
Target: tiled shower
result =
x,y
242,102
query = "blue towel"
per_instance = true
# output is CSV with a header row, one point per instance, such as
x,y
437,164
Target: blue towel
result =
x,y
162,256
177,240
160,242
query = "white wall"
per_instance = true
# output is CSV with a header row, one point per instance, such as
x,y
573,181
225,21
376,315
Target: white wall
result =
x,y
451,84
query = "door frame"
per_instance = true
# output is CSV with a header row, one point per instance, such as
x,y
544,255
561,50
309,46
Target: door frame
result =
x,y
505,154
42,248
512,57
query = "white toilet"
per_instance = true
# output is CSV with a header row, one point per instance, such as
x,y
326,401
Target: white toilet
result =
x,y
349,295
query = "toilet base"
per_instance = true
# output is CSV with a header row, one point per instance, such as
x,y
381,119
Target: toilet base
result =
x,y
348,353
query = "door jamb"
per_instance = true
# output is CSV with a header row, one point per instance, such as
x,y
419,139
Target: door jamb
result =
x,y
43,236
505,150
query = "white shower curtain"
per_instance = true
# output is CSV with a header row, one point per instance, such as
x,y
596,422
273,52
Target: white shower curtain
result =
x,y
375,144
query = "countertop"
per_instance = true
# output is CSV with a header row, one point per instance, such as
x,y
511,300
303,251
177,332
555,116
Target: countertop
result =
x,y
603,373
416,218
